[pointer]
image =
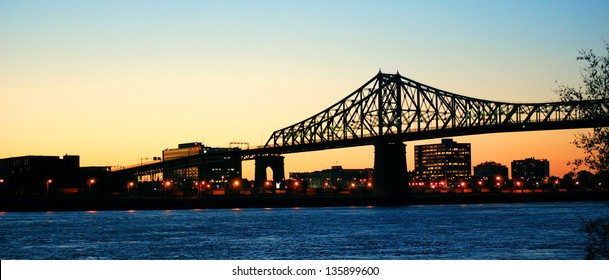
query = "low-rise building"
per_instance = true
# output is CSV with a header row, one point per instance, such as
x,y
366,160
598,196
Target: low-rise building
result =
x,y
38,175
530,170
490,169
336,178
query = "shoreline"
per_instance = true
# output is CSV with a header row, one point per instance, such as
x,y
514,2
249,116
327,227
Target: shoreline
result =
x,y
43,204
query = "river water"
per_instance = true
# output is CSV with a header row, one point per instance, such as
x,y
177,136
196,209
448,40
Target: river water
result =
x,y
547,231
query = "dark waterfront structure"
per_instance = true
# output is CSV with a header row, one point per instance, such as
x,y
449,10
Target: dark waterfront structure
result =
x,y
39,175
217,171
448,161
490,169
530,170
490,175
336,179
188,170
53,176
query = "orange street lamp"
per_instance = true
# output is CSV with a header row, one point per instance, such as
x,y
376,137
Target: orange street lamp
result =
x,y
129,186
236,184
90,182
166,185
202,185
48,182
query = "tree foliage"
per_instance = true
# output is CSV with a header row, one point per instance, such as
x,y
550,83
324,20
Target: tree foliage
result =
x,y
597,233
595,78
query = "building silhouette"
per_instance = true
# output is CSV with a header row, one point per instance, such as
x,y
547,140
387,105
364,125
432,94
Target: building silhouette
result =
x,y
40,175
447,161
530,169
336,179
490,169
217,171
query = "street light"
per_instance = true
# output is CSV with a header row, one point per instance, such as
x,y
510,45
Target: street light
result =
x,y
236,184
49,181
202,185
499,181
90,182
129,186
166,185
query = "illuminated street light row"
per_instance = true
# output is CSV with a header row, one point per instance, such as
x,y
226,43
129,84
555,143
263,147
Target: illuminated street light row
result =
x,y
48,183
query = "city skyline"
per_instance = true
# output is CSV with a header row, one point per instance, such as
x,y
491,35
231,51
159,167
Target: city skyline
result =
x,y
115,82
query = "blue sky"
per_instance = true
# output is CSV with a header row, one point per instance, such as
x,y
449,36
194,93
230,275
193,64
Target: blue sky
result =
x,y
114,81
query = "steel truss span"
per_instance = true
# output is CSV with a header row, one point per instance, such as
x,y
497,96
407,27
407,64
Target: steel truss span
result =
x,y
392,108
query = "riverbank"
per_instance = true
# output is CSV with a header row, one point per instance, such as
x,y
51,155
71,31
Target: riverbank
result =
x,y
174,203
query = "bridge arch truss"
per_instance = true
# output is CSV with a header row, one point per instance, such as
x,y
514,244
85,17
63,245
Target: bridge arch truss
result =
x,y
390,107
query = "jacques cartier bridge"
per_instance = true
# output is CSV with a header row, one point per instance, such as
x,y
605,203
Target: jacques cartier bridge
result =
x,y
387,111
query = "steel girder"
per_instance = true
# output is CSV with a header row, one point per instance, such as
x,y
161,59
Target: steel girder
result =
x,y
390,107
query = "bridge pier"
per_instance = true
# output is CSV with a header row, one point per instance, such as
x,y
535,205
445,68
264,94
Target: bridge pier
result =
x,y
390,176
276,163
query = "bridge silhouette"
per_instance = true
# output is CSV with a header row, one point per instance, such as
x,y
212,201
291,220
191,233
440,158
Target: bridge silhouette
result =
x,y
390,109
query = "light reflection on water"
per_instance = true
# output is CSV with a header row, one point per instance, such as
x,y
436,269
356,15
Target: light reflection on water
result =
x,y
482,231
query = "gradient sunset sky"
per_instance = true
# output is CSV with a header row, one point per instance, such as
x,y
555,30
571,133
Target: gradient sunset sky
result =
x,y
117,81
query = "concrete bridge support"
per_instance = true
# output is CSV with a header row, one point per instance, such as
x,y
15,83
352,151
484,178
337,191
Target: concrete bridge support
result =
x,y
275,162
390,175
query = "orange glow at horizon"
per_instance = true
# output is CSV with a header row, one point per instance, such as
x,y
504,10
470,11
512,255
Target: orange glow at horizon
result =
x,y
116,87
